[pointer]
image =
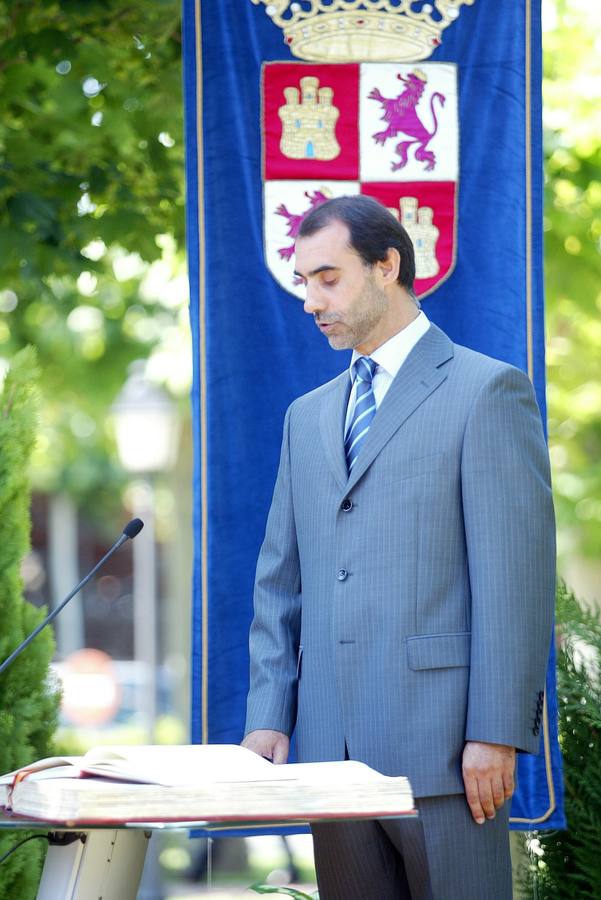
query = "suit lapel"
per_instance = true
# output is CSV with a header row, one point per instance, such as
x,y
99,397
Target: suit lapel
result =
x,y
418,377
331,424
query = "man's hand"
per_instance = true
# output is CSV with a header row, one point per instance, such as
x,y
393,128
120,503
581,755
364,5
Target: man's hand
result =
x,y
488,777
273,745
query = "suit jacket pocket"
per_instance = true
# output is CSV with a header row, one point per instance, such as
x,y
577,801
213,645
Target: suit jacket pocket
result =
x,y
410,468
438,651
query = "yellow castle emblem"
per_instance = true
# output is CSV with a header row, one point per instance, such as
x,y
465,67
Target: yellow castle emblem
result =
x,y
417,222
308,121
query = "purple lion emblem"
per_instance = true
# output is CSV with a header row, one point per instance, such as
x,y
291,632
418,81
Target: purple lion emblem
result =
x,y
401,114
294,222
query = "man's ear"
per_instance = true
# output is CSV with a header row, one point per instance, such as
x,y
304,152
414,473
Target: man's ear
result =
x,y
389,266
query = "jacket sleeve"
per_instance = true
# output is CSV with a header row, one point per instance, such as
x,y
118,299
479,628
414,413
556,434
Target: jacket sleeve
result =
x,y
510,538
275,629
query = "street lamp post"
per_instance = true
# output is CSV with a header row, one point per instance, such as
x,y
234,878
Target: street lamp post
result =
x,y
146,433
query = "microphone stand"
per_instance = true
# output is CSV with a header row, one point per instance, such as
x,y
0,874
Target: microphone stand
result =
x,y
129,532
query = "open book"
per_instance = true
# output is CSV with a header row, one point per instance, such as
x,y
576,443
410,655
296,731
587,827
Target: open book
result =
x,y
209,782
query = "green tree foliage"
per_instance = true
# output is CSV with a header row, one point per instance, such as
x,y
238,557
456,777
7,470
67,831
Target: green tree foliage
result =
x,y
570,864
91,193
28,704
572,71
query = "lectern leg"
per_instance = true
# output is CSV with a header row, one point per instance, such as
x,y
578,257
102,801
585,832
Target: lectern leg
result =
x,y
107,864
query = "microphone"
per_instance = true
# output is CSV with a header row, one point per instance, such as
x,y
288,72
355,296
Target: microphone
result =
x,y
129,532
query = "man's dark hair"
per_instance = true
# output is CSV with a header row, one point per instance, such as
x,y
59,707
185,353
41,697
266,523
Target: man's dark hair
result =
x,y
373,230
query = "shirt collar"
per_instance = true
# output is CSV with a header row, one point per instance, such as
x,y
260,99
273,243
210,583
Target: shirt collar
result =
x,y
391,355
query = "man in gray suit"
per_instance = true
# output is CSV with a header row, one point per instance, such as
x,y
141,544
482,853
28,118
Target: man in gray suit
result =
x,y
404,590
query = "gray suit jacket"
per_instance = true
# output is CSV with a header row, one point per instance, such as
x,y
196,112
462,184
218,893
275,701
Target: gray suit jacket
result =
x,y
407,608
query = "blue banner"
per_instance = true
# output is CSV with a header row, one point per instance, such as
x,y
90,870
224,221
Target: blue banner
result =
x,y
435,110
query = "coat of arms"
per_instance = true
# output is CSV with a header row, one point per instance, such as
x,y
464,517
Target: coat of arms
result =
x,y
385,129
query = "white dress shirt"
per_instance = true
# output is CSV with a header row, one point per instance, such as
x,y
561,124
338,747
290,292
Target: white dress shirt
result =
x,y
390,356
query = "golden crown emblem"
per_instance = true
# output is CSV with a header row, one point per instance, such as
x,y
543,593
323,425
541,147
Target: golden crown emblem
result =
x,y
348,30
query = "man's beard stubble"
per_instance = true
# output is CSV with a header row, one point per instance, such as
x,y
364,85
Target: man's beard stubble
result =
x,y
361,318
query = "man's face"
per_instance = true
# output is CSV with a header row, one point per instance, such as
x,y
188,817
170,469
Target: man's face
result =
x,y
343,294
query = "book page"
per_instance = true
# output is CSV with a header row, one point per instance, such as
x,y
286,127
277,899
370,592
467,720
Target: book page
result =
x,y
54,772
180,765
51,762
346,771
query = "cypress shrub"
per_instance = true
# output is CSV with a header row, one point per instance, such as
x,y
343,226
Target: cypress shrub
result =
x,y
28,701
567,864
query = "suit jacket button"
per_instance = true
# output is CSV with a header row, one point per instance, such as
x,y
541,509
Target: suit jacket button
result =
x,y
341,574
347,504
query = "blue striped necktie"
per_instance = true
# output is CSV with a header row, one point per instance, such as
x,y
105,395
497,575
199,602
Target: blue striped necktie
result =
x,y
364,411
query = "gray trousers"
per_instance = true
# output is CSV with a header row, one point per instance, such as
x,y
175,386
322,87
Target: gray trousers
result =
x,y
442,855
